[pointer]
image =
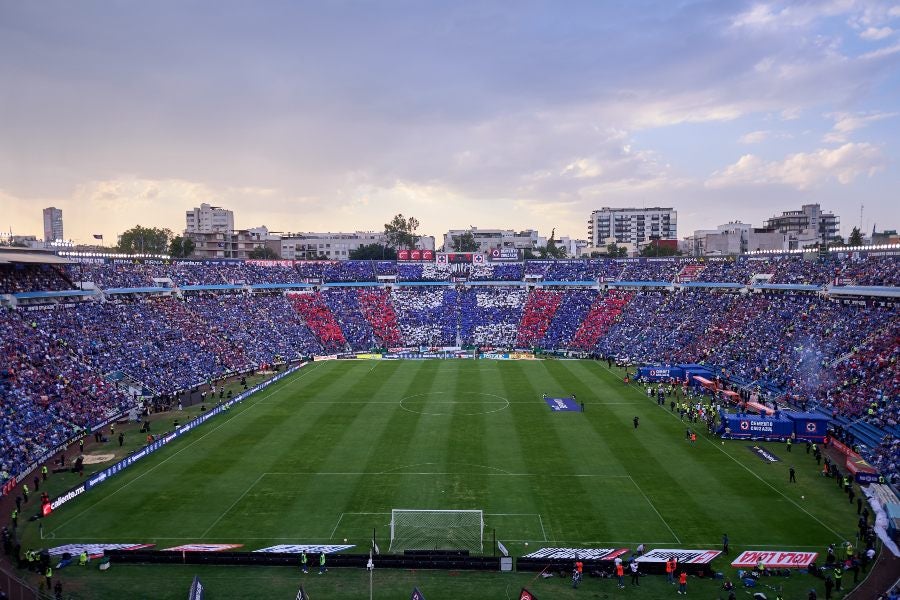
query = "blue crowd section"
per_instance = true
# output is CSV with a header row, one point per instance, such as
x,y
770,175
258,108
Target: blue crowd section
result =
x,y
861,270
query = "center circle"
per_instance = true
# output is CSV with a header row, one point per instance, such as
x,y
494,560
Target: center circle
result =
x,y
453,402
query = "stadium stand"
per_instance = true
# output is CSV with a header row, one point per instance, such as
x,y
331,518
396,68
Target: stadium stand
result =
x,y
813,348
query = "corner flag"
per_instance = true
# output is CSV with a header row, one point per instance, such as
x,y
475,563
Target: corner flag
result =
x,y
301,595
417,595
502,548
526,595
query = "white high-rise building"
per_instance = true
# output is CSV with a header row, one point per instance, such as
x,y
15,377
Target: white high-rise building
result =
x,y
53,224
209,219
808,222
635,226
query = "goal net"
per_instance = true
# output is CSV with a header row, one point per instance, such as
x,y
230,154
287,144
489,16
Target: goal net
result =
x,y
437,530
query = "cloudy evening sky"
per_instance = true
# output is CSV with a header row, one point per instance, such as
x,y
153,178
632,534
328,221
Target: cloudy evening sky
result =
x,y
310,116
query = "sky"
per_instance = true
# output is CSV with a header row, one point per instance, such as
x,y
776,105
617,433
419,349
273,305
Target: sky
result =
x,y
335,116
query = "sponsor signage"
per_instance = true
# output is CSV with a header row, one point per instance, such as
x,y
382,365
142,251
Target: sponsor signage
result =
x,y
452,258
94,550
756,427
763,454
203,547
415,255
562,404
778,559
582,553
660,373
507,355
308,548
67,496
866,477
689,557
504,255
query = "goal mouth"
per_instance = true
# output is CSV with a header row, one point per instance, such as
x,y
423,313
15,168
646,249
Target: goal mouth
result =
x,y
428,529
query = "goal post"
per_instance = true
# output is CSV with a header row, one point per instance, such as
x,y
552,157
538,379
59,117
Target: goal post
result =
x,y
415,529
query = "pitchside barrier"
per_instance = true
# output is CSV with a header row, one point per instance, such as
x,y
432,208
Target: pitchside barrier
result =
x,y
419,560
165,439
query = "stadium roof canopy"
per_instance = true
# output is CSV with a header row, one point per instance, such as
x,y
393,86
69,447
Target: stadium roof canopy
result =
x,y
25,257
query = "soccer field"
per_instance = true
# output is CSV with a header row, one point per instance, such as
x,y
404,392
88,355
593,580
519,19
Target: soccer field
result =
x,y
327,453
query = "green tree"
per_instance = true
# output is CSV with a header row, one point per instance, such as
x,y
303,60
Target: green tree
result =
x,y
145,240
465,242
528,254
615,251
401,232
551,250
262,253
181,247
856,238
654,249
373,252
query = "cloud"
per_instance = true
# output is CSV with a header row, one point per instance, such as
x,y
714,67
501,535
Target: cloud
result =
x,y
754,137
881,52
846,123
876,33
802,171
791,14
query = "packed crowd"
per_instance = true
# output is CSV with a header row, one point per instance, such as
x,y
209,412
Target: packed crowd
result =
x,y
344,305
490,316
842,269
47,393
573,270
726,271
263,327
59,361
540,309
651,270
15,279
321,321
497,272
426,316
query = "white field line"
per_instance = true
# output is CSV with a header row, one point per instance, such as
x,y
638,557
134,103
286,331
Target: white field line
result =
x,y
331,537
233,415
233,504
543,531
675,535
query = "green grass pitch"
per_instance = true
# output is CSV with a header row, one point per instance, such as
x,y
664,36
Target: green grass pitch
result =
x,y
327,453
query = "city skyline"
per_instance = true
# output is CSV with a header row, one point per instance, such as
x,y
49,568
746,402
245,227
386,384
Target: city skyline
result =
x,y
309,117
